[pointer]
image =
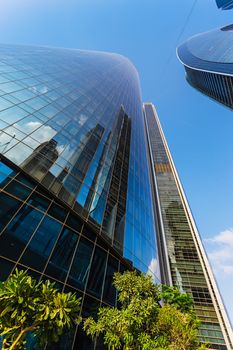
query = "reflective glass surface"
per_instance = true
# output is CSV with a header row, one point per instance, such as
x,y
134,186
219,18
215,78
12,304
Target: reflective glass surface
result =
x,y
186,264
37,233
225,4
208,61
72,120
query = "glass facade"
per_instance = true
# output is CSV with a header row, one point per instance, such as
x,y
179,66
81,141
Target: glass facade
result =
x,y
75,193
224,4
187,266
208,62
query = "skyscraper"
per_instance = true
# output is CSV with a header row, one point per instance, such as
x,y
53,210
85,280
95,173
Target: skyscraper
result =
x,y
208,63
78,199
182,256
224,4
75,199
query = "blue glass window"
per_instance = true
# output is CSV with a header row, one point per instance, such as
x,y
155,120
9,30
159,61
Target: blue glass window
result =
x,y
16,189
41,244
81,264
96,276
39,201
5,174
7,210
109,294
17,234
60,260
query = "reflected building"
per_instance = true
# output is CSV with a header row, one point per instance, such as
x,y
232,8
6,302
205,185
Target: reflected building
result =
x,y
225,4
182,257
41,159
208,62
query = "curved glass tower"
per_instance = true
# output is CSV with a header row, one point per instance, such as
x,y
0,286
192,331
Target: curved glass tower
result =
x,y
76,201
208,61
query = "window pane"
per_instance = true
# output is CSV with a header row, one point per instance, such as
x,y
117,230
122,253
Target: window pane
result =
x,y
15,237
58,212
7,210
41,244
109,294
95,280
60,260
38,201
18,190
81,264
6,268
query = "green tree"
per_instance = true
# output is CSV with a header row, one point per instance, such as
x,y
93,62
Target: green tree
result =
x,y
28,306
140,323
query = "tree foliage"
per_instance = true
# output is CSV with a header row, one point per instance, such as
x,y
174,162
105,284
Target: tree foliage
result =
x,y
140,323
28,306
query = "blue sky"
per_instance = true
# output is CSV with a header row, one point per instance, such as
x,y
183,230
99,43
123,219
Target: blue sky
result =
x,y
198,130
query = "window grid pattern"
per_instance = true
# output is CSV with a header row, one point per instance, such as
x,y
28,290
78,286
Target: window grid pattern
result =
x,y
186,269
51,241
216,86
73,121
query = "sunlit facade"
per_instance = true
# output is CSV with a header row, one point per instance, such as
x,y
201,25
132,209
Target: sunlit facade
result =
x,y
75,200
208,62
182,257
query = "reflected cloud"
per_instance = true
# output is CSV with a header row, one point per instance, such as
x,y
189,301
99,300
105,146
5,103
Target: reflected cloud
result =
x,y
153,269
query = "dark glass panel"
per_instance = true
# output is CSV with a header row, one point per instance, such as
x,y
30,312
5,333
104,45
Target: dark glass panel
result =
x,y
65,341
6,268
7,210
102,243
109,294
18,190
38,201
88,233
82,341
74,223
17,234
60,260
96,276
58,212
41,244
90,307
81,264
21,178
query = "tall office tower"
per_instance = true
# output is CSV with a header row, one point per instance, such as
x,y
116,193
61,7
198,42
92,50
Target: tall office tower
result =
x,y
182,257
224,4
208,62
75,195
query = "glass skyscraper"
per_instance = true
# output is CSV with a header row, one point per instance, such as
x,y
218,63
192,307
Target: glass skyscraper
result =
x,y
208,61
77,190
75,200
224,4
182,257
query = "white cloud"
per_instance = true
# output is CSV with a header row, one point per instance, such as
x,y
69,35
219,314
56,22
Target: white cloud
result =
x,y
153,269
82,119
220,252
